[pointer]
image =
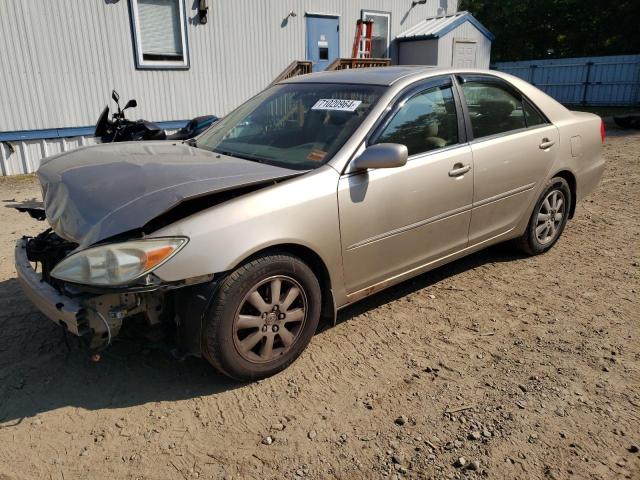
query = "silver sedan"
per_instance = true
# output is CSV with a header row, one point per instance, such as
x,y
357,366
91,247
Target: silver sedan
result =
x,y
312,195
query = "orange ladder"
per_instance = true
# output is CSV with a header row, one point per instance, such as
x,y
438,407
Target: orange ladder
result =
x,y
362,41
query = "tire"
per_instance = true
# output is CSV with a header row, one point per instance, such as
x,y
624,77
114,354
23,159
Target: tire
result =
x,y
533,241
284,326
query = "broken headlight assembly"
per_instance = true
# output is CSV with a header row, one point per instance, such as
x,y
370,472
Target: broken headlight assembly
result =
x,y
117,263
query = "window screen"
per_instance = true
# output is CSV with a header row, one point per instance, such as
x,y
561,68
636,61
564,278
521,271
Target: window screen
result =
x,y
426,121
160,32
492,109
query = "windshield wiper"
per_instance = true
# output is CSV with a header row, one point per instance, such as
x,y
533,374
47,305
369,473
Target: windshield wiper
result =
x,y
243,156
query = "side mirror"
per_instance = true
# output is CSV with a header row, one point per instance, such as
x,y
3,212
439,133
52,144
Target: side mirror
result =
x,y
115,96
382,155
131,104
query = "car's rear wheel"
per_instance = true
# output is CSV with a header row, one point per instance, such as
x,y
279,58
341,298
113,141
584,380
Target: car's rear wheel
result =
x,y
548,219
264,315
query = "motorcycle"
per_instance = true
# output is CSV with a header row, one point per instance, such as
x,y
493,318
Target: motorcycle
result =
x,y
120,129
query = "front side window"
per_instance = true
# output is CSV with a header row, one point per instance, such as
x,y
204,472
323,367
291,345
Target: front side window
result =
x,y
380,34
426,121
493,109
160,36
299,126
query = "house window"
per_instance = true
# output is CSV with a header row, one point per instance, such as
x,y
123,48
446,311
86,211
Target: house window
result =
x,y
381,32
160,36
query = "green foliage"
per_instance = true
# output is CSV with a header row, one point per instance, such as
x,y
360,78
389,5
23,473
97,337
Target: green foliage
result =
x,y
533,29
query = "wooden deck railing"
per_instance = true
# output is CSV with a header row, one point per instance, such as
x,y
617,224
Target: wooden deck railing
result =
x,y
343,63
295,68
301,67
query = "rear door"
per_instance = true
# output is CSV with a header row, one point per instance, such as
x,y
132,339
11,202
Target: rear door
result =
x,y
323,40
513,147
393,220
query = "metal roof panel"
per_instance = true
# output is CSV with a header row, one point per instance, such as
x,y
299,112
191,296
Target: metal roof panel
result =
x,y
437,27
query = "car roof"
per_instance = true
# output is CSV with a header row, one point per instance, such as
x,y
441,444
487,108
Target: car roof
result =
x,y
404,75
370,76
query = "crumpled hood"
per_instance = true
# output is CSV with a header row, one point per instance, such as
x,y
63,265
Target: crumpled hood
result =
x,y
93,193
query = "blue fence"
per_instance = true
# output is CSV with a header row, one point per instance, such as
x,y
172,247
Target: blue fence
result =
x,y
606,81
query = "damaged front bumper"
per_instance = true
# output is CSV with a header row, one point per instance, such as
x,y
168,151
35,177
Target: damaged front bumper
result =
x,y
95,317
60,309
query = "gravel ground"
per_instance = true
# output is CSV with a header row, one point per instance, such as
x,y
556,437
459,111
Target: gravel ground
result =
x,y
496,366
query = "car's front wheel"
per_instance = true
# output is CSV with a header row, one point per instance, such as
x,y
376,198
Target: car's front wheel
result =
x,y
548,219
264,315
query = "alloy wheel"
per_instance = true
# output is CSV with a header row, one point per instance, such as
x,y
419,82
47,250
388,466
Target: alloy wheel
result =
x,y
269,319
550,217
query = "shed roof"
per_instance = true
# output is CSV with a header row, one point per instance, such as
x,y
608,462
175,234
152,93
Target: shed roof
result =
x,y
437,27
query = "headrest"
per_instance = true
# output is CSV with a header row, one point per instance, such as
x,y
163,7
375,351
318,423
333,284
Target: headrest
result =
x,y
340,118
431,129
498,109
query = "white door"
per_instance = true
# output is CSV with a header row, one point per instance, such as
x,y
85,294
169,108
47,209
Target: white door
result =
x,y
464,54
381,33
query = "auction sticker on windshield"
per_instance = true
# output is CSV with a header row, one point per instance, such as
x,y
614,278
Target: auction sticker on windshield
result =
x,y
336,104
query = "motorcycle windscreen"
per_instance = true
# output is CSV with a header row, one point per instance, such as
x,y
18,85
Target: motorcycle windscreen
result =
x,y
102,126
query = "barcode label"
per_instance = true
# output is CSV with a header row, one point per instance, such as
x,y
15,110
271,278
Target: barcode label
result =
x,y
336,104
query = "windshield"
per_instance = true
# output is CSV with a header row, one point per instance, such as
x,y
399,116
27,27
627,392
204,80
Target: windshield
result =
x,y
299,126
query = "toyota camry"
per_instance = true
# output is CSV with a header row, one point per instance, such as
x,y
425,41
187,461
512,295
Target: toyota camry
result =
x,y
315,193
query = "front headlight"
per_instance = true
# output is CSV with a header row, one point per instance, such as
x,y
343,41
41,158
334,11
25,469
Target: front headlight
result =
x,y
117,263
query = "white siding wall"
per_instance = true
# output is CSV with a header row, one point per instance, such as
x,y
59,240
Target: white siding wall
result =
x,y
465,31
61,58
25,156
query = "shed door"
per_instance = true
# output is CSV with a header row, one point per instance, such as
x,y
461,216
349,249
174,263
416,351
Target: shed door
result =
x,y
464,54
323,40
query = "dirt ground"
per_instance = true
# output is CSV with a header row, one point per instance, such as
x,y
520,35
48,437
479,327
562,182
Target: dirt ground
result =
x,y
529,368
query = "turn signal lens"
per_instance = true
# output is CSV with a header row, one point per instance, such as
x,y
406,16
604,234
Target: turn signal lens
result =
x,y
155,257
118,263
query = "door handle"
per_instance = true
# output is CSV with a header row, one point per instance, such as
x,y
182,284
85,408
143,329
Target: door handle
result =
x,y
546,143
459,169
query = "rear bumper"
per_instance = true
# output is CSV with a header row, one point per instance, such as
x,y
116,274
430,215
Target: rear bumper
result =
x,y
60,309
589,178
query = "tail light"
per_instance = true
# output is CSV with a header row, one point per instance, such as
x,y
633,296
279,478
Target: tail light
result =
x,y
602,130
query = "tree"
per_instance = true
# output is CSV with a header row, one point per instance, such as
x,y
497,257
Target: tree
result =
x,y
533,29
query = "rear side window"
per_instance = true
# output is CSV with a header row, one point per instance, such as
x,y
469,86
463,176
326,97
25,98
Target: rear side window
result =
x,y
426,121
532,116
493,109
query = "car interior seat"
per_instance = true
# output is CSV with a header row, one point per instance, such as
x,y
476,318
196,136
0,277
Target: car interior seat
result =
x,y
496,116
431,130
